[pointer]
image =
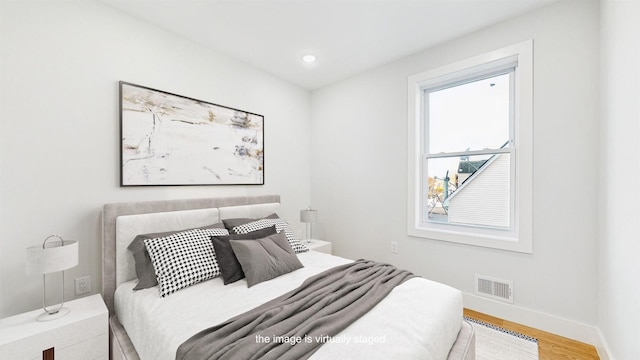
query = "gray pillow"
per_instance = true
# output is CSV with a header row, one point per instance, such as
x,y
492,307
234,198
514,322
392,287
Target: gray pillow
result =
x,y
280,224
266,258
144,268
229,266
231,223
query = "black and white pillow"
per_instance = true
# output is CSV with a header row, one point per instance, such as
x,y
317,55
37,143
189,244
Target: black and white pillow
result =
x,y
144,268
184,259
280,224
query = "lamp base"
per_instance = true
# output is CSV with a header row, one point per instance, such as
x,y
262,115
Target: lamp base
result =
x,y
45,316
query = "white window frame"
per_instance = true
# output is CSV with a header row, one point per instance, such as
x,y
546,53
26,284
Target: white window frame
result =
x,y
520,237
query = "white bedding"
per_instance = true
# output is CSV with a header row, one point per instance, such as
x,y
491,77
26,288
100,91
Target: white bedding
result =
x,y
419,319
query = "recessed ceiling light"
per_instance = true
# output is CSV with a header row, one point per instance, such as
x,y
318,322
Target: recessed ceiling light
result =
x,y
309,58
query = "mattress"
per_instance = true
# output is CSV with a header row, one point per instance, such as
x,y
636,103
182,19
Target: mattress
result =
x,y
419,319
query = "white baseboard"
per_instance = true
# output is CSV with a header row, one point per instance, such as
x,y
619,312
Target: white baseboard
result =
x,y
550,323
603,347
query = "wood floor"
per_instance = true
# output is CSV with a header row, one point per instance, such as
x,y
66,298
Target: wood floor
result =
x,y
550,346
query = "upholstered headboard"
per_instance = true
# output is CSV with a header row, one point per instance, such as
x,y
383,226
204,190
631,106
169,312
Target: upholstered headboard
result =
x,y
120,222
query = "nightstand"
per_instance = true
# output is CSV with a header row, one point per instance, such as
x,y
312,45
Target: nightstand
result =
x,y
82,334
318,245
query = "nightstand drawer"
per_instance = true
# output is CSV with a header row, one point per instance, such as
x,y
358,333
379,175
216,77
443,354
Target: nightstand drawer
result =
x,y
91,349
72,338
82,334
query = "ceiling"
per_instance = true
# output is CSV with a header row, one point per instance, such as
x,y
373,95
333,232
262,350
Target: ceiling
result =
x,y
347,36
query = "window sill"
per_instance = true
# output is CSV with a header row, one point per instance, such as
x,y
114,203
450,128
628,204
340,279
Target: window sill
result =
x,y
508,243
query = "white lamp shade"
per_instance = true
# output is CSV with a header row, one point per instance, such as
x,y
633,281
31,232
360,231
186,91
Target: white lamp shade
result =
x,y
309,216
52,259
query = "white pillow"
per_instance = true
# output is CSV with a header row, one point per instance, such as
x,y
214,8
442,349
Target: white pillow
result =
x,y
184,259
280,224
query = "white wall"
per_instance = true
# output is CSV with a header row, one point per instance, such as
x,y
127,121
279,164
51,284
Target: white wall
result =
x,y
59,160
59,127
359,171
619,248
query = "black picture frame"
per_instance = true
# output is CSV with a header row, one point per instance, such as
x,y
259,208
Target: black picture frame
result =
x,y
169,140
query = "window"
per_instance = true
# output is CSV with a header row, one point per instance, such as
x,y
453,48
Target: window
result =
x,y
470,151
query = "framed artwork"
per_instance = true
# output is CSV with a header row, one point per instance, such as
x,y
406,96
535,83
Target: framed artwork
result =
x,y
168,139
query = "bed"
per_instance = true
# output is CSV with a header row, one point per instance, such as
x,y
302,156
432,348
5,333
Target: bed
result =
x,y
418,319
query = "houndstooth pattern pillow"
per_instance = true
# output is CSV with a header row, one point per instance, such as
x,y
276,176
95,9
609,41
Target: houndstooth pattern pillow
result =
x,y
184,259
281,225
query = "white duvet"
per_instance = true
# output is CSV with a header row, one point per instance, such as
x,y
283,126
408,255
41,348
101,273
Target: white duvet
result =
x,y
419,319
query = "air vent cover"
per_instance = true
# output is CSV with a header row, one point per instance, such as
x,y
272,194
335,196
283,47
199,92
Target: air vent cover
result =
x,y
493,288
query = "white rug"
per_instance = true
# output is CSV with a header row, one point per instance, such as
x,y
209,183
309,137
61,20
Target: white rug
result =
x,y
495,343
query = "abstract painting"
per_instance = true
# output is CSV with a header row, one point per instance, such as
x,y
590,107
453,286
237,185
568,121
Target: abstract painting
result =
x,y
169,139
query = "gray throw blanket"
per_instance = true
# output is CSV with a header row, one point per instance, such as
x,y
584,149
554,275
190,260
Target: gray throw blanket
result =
x,y
296,324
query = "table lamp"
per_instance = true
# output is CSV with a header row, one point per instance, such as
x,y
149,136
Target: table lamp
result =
x,y
309,216
48,258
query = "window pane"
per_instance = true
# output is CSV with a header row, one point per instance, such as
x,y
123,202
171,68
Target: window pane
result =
x,y
471,116
471,190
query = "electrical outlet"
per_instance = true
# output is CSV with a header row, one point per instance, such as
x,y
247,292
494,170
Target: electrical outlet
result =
x,y
394,247
83,285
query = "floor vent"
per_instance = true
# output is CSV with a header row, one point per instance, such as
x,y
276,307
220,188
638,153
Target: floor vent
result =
x,y
493,288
